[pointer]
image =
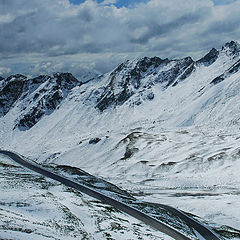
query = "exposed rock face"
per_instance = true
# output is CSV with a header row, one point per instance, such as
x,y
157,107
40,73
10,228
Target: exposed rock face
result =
x,y
137,78
37,96
66,81
232,48
233,69
47,94
94,140
10,92
130,84
44,105
209,58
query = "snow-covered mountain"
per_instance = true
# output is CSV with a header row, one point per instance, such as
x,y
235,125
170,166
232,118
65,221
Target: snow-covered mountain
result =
x,y
165,129
145,81
35,97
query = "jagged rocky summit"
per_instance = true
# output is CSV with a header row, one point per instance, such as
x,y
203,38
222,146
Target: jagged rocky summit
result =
x,y
131,83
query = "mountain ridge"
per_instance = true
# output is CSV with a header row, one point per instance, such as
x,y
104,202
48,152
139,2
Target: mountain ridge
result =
x,y
131,83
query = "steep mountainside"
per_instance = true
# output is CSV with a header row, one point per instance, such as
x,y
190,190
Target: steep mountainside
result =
x,y
137,78
167,130
132,83
34,97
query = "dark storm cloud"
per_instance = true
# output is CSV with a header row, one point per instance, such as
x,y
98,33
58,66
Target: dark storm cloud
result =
x,y
55,28
158,29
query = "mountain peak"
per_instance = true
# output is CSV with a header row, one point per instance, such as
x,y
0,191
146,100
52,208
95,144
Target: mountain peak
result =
x,y
232,48
209,58
133,81
16,77
66,80
37,96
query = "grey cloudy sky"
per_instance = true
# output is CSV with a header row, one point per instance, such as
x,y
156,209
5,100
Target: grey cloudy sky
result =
x,y
45,36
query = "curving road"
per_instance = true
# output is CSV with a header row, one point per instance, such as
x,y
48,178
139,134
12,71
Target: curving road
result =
x,y
200,230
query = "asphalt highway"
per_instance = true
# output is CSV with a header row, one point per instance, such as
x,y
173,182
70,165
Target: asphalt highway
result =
x,y
203,232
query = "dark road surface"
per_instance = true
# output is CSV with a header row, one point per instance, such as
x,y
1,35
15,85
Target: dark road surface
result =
x,y
202,231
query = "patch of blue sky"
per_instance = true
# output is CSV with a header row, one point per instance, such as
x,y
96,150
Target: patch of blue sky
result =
x,y
119,3
130,3
223,2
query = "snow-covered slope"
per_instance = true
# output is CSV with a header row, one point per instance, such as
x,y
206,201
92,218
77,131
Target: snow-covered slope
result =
x,y
35,97
166,130
39,209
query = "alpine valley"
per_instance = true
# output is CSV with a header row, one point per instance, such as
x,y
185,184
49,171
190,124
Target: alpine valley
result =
x,y
164,130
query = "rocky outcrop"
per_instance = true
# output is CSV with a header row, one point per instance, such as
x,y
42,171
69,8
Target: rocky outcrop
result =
x,y
131,84
136,78
209,58
44,106
66,81
43,95
233,69
10,92
35,97
232,48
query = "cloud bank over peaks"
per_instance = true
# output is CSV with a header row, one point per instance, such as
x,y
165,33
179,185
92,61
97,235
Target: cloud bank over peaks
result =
x,y
100,35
